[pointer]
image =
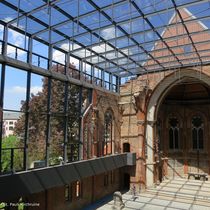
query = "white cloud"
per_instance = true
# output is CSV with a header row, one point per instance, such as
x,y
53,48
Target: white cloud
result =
x,y
1,28
18,40
36,89
18,89
1,31
108,33
22,90
7,19
60,57
15,38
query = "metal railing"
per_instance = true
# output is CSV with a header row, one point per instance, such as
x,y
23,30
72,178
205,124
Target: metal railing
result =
x,y
12,159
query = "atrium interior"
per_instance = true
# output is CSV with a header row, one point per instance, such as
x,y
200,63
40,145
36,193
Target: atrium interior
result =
x,y
99,96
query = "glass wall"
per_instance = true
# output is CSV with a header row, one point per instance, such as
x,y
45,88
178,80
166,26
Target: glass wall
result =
x,y
41,121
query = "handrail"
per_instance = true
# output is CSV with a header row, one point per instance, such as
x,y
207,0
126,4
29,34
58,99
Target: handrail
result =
x,y
12,149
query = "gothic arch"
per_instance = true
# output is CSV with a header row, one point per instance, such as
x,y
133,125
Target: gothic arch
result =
x,y
109,132
205,121
156,98
177,115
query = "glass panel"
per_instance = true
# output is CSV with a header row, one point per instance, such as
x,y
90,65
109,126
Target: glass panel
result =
x,y
105,3
92,21
27,5
73,123
37,138
1,32
40,48
56,140
31,25
109,33
57,96
37,121
12,141
71,7
17,39
55,37
15,88
82,53
59,57
122,12
6,13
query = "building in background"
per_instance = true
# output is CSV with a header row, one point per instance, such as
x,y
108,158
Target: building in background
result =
x,y
9,121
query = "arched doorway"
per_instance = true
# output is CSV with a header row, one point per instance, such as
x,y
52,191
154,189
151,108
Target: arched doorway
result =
x,y
158,98
126,147
183,136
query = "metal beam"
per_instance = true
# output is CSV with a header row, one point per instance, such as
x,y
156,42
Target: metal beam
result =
x,y
58,32
37,70
163,49
186,29
121,29
123,21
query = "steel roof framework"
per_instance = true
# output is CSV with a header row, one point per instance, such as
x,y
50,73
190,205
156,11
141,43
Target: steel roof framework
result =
x,y
134,27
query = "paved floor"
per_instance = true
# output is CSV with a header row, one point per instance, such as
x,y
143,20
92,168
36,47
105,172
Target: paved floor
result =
x,y
170,195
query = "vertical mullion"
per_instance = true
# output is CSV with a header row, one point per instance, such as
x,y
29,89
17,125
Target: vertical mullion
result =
x,y
5,40
197,131
111,134
110,80
1,110
30,48
65,123
80,144
67,63
26,137
48,133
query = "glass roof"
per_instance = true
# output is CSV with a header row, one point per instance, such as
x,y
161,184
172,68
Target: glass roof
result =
x,y
124,37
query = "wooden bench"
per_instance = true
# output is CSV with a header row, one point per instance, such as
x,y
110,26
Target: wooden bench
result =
x,y
201,176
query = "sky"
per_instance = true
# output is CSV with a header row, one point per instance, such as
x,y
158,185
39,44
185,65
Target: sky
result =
x,y
15,84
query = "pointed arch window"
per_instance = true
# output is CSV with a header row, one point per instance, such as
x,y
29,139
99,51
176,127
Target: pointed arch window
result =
x,y
108,132
197,132
174,133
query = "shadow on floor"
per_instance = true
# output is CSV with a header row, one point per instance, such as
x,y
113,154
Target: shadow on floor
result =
x,y
101,202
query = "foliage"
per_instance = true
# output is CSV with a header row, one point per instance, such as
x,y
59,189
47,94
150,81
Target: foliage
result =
x,y
7,144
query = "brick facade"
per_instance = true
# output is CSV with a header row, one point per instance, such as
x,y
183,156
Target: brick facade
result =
x,y
138,98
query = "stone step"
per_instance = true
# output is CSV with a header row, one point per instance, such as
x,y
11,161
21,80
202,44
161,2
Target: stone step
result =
x,y
175,194
186,195
151,198
146,200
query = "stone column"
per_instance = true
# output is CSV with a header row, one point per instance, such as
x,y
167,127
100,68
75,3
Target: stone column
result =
x,y
150,172
140,102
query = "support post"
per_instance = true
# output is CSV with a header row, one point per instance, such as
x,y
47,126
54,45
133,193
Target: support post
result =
x,y
1,111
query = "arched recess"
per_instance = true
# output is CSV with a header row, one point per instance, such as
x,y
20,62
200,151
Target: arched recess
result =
x,y
205,127
108,141
154,103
